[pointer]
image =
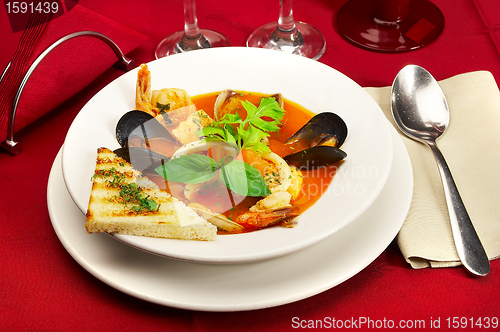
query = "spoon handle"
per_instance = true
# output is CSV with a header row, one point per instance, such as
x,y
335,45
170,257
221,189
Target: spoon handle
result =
x,y
469,247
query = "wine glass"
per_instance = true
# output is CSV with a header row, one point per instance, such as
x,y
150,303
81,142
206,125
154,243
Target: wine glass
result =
x,y
192,37
390,25
288,35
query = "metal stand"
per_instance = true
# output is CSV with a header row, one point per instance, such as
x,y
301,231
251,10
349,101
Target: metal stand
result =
x,y
123,63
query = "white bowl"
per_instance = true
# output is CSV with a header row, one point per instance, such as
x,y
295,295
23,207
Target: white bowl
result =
x,y
309,83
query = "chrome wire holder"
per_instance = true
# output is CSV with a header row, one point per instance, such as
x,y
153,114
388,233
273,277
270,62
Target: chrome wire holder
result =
x,y
124,63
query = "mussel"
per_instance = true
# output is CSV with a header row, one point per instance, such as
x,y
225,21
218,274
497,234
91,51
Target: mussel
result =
x,y
317,143
321,129
141,159
138,134
315,157
137,124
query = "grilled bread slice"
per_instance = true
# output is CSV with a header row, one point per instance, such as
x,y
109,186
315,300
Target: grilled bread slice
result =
x,y
123,202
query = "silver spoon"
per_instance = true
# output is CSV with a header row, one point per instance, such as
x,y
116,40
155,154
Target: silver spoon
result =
x,y
421,112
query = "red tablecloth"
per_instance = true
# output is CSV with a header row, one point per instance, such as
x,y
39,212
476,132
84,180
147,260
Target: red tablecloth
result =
x,y
43,289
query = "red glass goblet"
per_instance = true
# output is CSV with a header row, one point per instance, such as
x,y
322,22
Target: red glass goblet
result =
x,y
390,25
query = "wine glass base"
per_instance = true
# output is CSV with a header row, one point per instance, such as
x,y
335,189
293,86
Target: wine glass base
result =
x,y
170,45
313,45
356,24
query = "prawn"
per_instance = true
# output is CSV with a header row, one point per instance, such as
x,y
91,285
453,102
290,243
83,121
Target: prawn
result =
x,y
269,210
277,206
156,102
254,220
143,90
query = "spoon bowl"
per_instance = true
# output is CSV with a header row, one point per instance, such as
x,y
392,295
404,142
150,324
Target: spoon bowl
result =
x,y
417,97
421,112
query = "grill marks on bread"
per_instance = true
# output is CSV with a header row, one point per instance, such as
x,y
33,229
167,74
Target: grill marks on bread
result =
x,y
111,212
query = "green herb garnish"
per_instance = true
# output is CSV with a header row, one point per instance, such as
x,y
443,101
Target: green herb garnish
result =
x,y
238,176
132,193
129,193
244,179
163,107
248,133
193,168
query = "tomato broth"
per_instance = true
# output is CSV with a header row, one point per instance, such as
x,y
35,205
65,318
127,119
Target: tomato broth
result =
x,y
218,198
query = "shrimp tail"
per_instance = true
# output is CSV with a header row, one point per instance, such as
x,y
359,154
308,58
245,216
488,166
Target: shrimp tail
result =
x,y
143,90
255,220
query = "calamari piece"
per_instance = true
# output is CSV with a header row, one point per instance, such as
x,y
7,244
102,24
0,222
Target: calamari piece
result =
x,y
297,181
284,173
271,175
276,200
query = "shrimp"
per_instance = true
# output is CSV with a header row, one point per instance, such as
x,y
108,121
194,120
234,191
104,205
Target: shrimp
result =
x,y
156,102
170,99
285,186
269,210
143,90
253,220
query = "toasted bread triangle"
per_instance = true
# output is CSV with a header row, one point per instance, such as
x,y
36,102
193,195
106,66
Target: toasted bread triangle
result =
x,y
114,208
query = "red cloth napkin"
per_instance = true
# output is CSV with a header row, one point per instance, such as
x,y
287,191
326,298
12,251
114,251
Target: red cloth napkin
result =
x,y
65,70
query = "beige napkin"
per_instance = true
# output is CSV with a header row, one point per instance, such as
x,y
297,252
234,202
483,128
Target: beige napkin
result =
x,y
471,146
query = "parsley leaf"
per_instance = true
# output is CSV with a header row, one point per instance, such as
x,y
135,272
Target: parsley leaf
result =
x,y
132,193
252,138
237,175
268,107
163,107
248,133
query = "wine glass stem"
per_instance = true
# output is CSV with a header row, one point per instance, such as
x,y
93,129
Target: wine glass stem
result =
x,y
191,29
391,11
285,21
286,34
192,39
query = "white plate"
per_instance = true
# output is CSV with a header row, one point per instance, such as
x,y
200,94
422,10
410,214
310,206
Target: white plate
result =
x,y
235,287
309,83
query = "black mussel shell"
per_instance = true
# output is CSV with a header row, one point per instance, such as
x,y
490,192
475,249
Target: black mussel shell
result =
x,y
315,157
129,122
142,125
322,125
141,159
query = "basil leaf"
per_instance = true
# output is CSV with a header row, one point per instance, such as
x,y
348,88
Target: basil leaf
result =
x,y
244,179
193,168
